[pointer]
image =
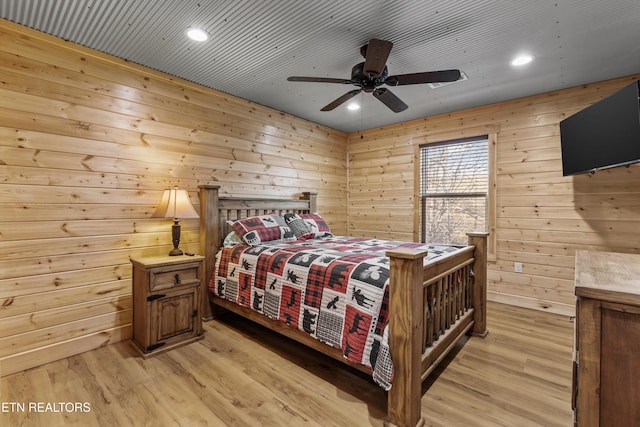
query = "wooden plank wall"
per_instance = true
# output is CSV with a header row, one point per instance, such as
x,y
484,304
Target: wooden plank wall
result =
x,y
88,143
541,217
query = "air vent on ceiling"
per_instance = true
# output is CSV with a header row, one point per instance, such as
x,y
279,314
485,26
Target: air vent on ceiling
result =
x,y
463,76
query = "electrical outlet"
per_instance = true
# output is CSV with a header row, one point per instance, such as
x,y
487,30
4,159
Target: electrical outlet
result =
x,y
517,267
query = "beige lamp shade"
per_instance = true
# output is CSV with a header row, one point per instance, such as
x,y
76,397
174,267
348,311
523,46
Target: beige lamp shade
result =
x,y
175,204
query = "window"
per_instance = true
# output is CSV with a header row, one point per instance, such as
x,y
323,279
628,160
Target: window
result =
x,y
454,185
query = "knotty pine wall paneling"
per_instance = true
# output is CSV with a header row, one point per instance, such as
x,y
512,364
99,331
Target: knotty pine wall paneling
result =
x,y
88,142
541,217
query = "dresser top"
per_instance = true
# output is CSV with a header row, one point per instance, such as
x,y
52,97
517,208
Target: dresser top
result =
x,y
607,272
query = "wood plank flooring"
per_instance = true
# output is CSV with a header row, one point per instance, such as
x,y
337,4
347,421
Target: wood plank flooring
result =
x,y
244,375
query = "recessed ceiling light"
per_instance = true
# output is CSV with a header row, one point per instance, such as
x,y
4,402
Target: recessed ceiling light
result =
x,y
197,34
353,106
522,60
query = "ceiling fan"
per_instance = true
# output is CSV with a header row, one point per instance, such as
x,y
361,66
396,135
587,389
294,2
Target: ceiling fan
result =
x,y
372,73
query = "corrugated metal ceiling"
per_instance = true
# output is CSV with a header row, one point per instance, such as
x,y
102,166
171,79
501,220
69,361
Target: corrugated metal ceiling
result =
x,y
255,45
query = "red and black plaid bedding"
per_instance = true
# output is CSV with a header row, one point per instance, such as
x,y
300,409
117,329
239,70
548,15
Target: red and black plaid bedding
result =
x,y
333,288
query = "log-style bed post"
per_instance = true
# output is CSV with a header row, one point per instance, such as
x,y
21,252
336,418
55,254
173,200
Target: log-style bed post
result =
x,y
209,240
312,197
479,240
405,334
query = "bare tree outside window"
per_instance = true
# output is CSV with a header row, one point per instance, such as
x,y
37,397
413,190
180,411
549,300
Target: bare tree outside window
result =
x,y
454,187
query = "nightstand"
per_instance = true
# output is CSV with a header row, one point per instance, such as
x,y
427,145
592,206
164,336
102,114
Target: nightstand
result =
x,y
166,302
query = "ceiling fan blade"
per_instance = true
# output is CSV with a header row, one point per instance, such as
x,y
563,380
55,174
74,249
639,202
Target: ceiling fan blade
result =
x,y
426,77
377,53
390,100
318,80
347,96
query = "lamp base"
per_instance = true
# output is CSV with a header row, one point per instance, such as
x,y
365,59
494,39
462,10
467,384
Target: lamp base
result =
x,y
175,252
175,236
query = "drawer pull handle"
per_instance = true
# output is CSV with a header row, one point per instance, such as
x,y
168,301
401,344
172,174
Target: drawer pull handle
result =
x,y
177,281
154,297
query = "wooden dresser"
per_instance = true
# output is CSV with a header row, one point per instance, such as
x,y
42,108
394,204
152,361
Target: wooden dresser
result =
x,y
607,342
166,302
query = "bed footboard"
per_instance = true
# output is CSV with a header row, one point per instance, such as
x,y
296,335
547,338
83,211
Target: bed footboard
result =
x,y
431,308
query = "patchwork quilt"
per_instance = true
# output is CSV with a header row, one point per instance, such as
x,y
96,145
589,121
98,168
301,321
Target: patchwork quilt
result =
x,y
333,288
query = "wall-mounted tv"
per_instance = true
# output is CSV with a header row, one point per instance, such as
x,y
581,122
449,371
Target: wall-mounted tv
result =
x,y
603,135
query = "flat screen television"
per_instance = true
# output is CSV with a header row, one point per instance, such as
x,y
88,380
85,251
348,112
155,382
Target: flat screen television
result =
x,y
603,135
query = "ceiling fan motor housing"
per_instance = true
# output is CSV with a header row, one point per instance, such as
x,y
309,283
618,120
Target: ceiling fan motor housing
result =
x,y
368,84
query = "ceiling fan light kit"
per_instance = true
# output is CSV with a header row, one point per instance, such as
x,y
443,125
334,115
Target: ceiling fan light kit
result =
x,y
373,72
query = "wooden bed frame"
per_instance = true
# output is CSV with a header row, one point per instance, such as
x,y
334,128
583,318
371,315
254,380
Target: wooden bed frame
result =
x,y
431,307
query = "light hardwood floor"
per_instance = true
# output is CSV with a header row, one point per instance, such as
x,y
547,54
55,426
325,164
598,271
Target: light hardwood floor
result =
x,y
243,375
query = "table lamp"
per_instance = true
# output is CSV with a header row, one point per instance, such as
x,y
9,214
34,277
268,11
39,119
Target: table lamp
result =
x,y
175,204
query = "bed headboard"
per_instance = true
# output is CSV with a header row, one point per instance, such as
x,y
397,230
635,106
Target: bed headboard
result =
x,y
215,211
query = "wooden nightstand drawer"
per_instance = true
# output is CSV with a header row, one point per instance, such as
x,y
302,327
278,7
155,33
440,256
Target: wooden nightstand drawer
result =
x,y
168,277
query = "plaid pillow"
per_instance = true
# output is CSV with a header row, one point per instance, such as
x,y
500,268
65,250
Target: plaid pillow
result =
x,y
317,225
263,228
298,226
